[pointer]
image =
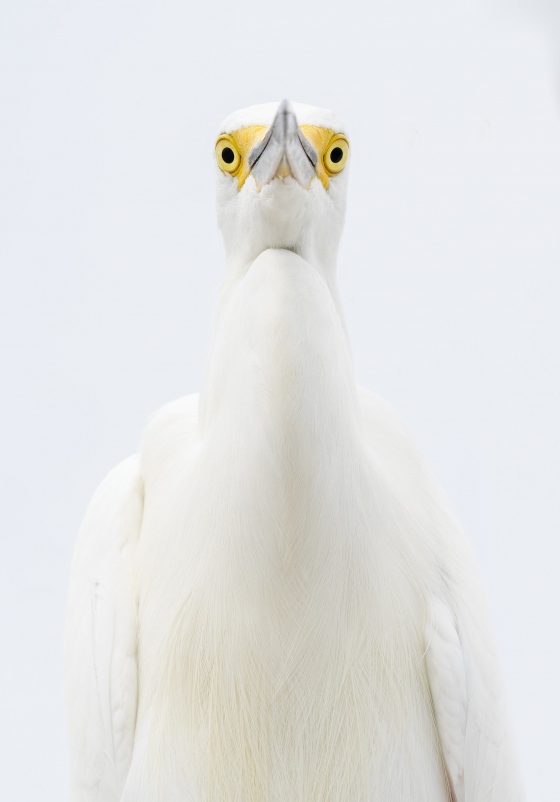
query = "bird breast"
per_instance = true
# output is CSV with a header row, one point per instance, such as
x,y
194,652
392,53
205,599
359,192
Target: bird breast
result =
x,y
290,656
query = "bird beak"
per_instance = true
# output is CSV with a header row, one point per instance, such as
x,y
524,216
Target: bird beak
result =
x,y
284,151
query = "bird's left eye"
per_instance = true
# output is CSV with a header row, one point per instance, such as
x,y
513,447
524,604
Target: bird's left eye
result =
x,y
336,155
227,155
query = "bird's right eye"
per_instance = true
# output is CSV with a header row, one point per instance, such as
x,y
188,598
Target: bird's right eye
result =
x,y
227,155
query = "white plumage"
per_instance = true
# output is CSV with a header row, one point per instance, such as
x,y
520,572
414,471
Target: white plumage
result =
x,y
273,602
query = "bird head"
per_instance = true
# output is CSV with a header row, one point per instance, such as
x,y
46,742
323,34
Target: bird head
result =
x,y
282,177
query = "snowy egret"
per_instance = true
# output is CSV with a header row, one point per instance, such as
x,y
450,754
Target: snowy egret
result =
x,y
272,601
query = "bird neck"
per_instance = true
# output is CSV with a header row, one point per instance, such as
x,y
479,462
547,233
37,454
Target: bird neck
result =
x,y
280,360
239,263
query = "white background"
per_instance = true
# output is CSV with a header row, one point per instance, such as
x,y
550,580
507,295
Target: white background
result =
x,y
111,263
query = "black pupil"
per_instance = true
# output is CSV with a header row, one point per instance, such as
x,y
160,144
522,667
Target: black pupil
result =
x,y
336,155
228,155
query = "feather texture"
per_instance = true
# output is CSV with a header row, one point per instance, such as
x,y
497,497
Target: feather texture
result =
x,y
273,601
101,631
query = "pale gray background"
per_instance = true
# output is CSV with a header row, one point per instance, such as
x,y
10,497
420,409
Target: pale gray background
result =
x,y
111,263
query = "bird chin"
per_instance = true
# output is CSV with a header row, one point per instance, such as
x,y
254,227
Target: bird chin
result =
x,y
280,184
283,246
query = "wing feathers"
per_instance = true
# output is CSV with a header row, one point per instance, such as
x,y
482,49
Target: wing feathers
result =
x,y
101,639
448,683
469,706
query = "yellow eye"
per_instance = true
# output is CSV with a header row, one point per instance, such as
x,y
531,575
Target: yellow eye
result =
x,y
227,154
336,155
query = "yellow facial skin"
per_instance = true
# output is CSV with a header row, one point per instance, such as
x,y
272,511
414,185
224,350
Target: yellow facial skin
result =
x,y
242,143
232,151
325,141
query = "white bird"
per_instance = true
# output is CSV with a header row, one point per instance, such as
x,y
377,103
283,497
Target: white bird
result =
x,y
272,601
